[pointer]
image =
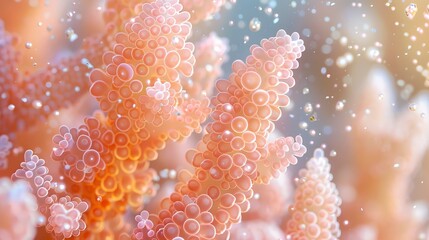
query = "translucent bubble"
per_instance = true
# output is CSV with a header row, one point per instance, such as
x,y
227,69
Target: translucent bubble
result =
x,y
411,10
412,107
28,45
308,108
71,35
348,128
255,25
37,104
333,153
339,106
303,125
246,39
305,91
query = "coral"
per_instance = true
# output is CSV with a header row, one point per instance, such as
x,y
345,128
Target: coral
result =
x,y
383,188
210,53
317,203
63,214
234,151
5,146
18,207
29,98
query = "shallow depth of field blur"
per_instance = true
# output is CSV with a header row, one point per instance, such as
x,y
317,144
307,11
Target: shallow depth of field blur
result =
x,y
361,94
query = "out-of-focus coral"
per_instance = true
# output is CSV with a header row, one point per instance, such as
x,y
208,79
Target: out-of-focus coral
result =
x,y
257,230
5,147
234,153
29,98
394,148
18,211
317,203
210,53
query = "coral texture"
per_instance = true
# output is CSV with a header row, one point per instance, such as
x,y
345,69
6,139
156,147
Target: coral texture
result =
x,y
317,203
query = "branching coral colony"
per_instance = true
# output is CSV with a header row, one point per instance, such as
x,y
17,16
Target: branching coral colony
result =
x,y
143,66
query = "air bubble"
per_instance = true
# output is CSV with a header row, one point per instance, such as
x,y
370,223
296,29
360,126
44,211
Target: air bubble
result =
x,y
412,107
339,106
255,25
305,91
308,108
28,45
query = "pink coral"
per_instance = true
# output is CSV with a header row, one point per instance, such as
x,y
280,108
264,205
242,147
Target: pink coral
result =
x,y
34,171
36,96
65,217
317,203
234,151
210,53
18,209
5,146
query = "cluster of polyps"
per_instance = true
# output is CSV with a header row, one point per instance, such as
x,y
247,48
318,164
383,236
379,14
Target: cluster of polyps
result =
x,y
234,151
317,202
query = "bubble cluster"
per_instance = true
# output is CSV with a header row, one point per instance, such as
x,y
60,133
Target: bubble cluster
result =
x,y
317,202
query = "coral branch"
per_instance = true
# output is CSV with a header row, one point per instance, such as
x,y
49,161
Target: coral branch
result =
x,y
5,146
18,211
236,140
317,203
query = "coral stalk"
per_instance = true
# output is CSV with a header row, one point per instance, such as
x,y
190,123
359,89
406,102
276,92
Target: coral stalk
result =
x,y
234,153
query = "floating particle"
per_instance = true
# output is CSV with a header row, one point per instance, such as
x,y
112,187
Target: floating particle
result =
x,y
411,10
255,25
246,39
308,108
412,107
380,96
396,165
71,35
305,91
348,128
87,63
313,118
339,106
276,20
373,53
333,153
37,104
422,115
28,45
303,125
